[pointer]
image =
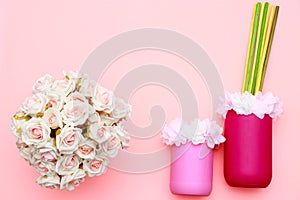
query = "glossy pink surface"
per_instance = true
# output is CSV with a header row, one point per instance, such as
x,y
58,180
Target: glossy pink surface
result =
x,y
248,150
191,175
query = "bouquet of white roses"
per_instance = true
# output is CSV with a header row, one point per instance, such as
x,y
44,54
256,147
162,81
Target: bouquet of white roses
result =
x,y
68,129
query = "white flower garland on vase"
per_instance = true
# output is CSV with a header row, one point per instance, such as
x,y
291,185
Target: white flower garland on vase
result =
x,y
196,132
247,103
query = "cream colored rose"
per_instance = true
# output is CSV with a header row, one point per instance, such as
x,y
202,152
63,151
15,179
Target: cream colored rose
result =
x,y
75,112
17,122
122,135
100,153
76,96
16,127
43,84
35,132
34,104
55,100
107,119
112,146
67,164
74,75
53,119
20,143
95,167
121,109
44,159
73,180
100,133
102,99
46,153
44,167
68,139
64,86
26,152
51,181
94,117
87,149
87,87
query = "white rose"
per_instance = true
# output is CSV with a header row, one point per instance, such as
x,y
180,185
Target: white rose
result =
x,y
87,149
51,182
102,99
122,134
100,133
44,167
53,118
43,84
70,181
75,112
68,139
20,143
121,109
87,87
64,86
76,96
112,146
67,164
106,119
95,167
34,104
100,153
45,159
36,132
94,117
16,127
17,122
47,152
74,75
26,152
55,100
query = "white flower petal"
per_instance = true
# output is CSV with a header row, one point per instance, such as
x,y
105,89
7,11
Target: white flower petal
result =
x,y
72,180
52,181
246,104
68,140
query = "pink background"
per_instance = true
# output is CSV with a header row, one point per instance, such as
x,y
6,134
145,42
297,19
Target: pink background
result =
x,y
38,37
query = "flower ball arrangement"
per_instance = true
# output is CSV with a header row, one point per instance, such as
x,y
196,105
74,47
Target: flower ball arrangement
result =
x,y
68,129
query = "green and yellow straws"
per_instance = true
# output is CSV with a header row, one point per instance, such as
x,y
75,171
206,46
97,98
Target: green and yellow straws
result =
x,y
263,23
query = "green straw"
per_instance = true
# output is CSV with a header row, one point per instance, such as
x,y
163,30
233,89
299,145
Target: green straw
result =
x,y
252,48
269,47
258,52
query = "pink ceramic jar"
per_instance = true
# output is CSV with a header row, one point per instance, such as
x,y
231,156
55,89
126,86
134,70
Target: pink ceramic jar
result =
x,y
248,150
190,174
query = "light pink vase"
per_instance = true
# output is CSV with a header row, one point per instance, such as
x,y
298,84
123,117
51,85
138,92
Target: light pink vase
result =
x,y
190,174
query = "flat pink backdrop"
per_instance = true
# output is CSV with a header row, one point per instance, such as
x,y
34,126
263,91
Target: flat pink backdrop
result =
x,y
38,37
